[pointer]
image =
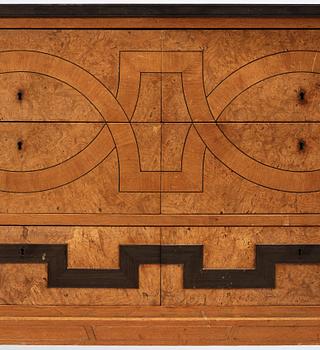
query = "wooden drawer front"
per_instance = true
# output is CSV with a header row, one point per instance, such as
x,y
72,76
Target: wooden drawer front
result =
x,y
129,266
34,261
243,266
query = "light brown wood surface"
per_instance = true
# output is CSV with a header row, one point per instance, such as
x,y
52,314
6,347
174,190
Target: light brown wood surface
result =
x,y
162,23
190,134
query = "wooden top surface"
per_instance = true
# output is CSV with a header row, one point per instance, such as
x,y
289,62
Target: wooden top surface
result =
x,y
157,10
156,16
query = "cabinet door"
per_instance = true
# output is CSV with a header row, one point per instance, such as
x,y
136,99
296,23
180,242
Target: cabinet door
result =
x,y
64,130
252,100
80,266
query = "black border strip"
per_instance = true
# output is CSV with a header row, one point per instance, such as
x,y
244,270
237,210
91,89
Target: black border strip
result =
x,y
157,10
195,276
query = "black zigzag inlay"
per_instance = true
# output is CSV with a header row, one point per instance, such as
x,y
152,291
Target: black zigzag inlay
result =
x,y
131,256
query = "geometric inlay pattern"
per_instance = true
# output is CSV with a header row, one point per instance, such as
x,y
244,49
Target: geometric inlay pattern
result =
x,y
118,133
132,256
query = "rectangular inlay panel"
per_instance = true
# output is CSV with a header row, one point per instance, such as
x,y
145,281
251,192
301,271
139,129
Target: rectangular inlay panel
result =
x,y
160,177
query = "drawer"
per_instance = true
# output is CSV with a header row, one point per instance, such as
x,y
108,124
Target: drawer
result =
x,y
77,266
171,266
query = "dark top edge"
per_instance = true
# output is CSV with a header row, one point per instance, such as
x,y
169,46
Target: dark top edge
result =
x,y
164,11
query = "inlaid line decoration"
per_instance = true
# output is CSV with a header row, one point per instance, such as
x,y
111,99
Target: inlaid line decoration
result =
x,y
195,276
205,112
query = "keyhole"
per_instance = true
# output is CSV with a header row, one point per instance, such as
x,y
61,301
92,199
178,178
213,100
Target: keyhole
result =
x,y
301,145
300,251
20,95
19,145
301,95
21,252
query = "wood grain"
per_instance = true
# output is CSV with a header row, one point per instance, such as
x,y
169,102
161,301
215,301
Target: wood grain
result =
x,y
219,252
160,132
43,145
149,325
162,23
87,248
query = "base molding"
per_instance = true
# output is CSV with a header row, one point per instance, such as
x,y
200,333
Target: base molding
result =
x,y
158,325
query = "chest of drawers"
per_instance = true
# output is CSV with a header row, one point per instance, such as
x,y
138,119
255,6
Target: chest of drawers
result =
x,y
159,175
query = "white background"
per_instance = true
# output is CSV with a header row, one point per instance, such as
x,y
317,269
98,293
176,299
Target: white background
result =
x,y
7,347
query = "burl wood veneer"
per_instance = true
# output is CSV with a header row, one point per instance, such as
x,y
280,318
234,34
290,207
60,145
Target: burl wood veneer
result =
x,y
159,177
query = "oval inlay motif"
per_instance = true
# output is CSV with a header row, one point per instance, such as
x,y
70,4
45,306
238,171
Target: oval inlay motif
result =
x,y
76,161
307,178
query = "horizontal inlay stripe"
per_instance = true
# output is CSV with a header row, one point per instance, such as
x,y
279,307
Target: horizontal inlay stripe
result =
x,y
132,256
79,219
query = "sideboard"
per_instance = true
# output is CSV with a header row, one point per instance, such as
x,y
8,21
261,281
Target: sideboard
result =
x,y
159,174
